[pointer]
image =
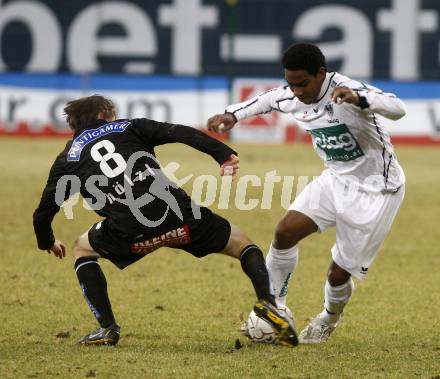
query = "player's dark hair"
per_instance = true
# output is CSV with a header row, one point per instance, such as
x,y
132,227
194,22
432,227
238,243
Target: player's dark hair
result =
x,y
304,56
85,110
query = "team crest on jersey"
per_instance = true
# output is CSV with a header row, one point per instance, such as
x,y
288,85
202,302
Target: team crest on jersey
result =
x,y
329,108
88,136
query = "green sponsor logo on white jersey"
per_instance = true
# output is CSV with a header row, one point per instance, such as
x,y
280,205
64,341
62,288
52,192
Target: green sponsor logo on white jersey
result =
x,y
337,142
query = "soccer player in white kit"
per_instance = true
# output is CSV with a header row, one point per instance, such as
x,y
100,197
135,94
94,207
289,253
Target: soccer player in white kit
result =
x,y
360,190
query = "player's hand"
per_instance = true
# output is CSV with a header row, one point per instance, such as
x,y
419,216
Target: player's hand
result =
x,y
230,167
345,95
228,121
58,249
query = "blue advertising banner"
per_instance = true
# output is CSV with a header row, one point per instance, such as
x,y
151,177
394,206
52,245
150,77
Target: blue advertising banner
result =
x,y
381,39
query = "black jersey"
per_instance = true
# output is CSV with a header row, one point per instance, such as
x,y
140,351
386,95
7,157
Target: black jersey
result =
x,y
113,166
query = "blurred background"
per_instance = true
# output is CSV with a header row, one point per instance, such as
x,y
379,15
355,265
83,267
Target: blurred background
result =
x,y
184,60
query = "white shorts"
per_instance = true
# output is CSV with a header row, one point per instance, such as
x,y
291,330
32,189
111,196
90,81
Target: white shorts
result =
x,y
362,219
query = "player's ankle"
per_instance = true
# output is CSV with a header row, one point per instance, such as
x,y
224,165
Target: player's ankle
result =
x,y
109,325
329,317
269,298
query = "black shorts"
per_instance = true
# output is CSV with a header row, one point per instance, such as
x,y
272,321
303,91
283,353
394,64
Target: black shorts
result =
x,y
199,237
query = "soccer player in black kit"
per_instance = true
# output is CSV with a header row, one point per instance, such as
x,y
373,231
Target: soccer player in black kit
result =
x,y
112,164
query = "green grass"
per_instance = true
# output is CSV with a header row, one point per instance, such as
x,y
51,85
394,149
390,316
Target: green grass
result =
x,y
180,315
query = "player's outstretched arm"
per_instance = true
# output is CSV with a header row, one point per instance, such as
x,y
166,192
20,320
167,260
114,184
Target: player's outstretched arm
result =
x,y
228,120
371,99
158,133
262,103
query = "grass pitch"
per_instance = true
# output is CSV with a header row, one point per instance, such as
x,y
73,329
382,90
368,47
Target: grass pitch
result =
x,y
180,315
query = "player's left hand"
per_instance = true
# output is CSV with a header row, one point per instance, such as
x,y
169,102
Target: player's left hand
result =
x,y
230,167
345,95
58,249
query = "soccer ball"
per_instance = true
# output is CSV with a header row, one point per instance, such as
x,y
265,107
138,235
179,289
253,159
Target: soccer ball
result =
x,y
259,330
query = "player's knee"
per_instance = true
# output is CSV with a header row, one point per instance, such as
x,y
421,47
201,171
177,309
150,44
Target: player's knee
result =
x,y
337,275
75,243
239,245
77,251
285,235
80,252
239,236
238,240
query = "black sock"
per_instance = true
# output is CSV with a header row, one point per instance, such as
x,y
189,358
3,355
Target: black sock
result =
x,y
94,288
254,265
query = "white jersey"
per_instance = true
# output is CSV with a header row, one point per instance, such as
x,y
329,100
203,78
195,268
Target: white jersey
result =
x,y
350,140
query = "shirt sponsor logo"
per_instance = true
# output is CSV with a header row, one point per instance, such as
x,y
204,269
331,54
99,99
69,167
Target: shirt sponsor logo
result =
x,y
337,142
177,237
88,136
333,120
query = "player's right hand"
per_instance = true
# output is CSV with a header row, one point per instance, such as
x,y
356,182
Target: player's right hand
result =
x,y
58,249
228,121
342,94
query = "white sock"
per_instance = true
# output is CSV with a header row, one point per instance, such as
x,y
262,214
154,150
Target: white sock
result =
x,y
280,265
335,299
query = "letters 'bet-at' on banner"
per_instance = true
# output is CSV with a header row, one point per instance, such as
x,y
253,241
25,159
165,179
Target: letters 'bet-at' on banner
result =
x,y
386,39
32,105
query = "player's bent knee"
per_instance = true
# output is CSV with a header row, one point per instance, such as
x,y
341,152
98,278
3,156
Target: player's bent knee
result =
x,y
82,248
285,235
79,252
337,275
235,247
292,228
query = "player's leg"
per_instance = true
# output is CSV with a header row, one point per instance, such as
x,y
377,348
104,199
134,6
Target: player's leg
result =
x,y
94,287
214,234
253,264
337,292
355,251
360,233
312,211
282,258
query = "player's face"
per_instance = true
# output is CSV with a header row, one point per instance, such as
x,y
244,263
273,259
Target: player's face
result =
x,y
305,86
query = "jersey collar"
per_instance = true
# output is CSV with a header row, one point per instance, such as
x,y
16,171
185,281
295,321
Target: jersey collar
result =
x,y
92,125
325,86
